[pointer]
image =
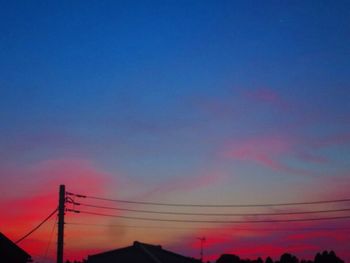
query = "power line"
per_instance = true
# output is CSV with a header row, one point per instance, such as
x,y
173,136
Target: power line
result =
x,y
211,214
51,235
138,226
210,221
211,228
211,205
35,228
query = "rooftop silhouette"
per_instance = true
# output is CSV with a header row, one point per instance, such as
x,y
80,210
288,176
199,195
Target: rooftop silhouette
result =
x,y
11,253
141,253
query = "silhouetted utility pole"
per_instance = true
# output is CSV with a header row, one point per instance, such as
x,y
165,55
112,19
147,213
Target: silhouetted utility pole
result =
x,y
60,236
202,239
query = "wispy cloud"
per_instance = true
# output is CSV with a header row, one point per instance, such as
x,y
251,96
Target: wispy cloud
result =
x,y
267,151
267,96
184,184
331,140
272,151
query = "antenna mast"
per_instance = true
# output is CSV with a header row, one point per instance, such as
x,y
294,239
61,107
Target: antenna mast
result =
x,y
202,239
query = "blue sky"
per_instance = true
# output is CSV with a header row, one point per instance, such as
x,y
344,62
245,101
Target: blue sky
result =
x,y
150,93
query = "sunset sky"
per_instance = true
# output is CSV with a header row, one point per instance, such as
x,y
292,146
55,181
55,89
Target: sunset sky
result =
x,y
192,102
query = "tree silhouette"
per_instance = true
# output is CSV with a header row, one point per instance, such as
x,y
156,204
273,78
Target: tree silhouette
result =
x,y
288,258
324,257
228,258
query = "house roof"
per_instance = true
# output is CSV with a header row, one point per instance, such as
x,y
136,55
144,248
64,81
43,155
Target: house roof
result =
x,y
140,253
9,248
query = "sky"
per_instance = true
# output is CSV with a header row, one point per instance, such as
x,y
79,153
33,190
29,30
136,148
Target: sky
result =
x,y
195,102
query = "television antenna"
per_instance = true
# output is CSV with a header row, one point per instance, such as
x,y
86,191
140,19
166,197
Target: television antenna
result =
x,y
202,240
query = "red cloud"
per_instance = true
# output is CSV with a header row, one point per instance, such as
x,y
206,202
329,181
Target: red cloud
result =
x,y
339,236
273,250
31,193
260,240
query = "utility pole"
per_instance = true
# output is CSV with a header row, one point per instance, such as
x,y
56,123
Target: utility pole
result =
x,y
202,239
60,235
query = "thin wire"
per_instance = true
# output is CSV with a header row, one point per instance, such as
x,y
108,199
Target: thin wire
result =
x,y
51,235
210,221
208,228
214,214
142,227
211,205
35,228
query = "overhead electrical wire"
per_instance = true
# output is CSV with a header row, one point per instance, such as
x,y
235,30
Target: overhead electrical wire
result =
x,y
50,240
38,226
211,214
210,228
212,205
181,220
210,221
270,216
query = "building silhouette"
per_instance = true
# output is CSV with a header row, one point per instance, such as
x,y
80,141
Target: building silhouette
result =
x,y
11,253
140,253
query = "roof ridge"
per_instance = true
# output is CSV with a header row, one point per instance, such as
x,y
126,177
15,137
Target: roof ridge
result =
x,y
153,257
13,244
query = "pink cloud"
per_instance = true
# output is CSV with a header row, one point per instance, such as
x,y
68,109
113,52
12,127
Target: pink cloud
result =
x,y
331,140
312,158
266,151
273,151
264,95
334,186
267,95
193,182
43,178
185,184
217,106
31,193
